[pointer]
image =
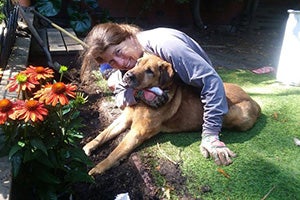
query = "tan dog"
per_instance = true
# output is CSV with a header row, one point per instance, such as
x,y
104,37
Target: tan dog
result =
x,y
183,111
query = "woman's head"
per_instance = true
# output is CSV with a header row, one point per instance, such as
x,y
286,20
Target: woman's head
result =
x,y
103,38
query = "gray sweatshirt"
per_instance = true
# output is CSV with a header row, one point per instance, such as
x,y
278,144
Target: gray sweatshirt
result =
x,y
192,65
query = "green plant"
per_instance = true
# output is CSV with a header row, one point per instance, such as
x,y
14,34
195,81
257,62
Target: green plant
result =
x,y
2,16
101,82
40,133
80,12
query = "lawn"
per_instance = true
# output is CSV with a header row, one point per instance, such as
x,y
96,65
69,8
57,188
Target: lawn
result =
x,y
267,166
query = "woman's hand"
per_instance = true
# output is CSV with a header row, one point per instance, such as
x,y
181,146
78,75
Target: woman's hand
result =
x,y
211,146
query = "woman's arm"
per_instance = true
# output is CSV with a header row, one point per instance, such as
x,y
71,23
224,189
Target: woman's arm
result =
x,y
124,96
194,67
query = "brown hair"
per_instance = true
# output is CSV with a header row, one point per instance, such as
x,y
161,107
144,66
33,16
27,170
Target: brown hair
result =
x,y
100,38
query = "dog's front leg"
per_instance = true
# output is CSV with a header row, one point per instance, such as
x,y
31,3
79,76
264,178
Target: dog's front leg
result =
x,y
117,127
133,139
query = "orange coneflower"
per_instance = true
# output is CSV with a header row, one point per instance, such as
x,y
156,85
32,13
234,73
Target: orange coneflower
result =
x,y
39,72
6,110
21,82
58,92
31,110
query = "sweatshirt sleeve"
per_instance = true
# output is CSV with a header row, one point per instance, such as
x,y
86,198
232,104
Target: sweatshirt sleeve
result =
x,y
124,96
194,67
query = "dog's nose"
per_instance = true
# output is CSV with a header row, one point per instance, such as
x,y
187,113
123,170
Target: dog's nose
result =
x,y
129,78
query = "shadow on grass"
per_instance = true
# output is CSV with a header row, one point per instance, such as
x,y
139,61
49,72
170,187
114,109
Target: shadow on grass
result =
x,y
257,177
177,139
185,139
240,76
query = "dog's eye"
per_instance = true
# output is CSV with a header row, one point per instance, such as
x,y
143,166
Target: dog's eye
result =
x,y
149,71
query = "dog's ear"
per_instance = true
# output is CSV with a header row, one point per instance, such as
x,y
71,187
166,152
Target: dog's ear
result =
x,y
166,73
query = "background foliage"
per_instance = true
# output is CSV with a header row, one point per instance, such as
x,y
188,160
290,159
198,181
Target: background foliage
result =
x,y
1,11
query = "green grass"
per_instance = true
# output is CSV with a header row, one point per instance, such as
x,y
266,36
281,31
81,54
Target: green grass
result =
x,y
268,159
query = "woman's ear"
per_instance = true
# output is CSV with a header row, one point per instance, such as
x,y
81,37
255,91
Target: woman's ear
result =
x,y
166,73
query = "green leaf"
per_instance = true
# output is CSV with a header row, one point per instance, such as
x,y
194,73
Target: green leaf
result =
x,y
14,150
75,114
75,134
92,3
29,155
16,163
81,22
46,176
78,176
36,156
66,109
48,8
47,195
79,155
39,144
52,141
76,123
52,156
21,143
45,161
65,154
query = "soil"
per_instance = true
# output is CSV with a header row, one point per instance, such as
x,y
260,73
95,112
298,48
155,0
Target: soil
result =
x,y
234,50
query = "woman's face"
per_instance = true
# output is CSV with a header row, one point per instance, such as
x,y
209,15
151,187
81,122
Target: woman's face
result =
x,y
124,55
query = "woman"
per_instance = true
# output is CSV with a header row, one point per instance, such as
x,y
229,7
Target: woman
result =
x,y
120,45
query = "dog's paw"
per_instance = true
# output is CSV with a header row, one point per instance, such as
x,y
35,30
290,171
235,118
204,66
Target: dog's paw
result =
x,y
94,171
87,150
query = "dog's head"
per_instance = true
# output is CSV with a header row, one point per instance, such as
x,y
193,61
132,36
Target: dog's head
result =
x,y
149,71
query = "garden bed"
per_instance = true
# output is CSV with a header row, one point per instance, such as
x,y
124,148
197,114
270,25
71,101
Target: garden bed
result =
x,y
135,174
